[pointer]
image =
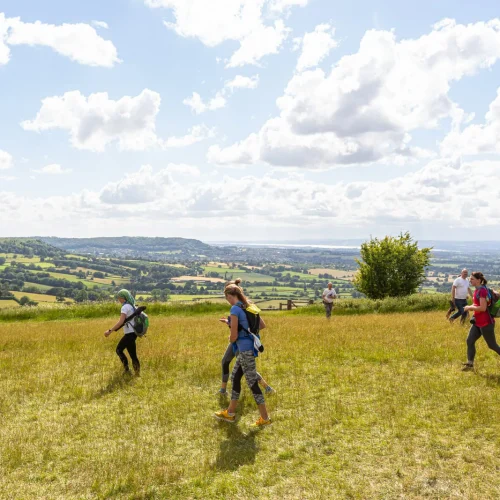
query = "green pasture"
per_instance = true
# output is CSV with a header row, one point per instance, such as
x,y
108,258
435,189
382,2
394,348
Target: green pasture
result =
x,y
366,407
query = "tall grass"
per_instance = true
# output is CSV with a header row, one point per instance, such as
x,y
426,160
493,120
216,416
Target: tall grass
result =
x,y
375,408
103,310
413,303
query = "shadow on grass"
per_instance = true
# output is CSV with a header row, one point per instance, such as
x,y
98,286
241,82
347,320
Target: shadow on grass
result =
x,y
238,448
493,379
115,383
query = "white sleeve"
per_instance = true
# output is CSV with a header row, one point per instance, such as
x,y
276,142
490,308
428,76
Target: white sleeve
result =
x,y
126,309
455,283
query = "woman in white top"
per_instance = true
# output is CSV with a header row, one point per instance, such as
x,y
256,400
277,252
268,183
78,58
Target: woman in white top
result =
x,y
128,341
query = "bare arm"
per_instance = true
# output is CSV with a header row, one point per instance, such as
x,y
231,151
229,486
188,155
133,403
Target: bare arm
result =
x,y
262,324
453,290
234,328
483,305
118,325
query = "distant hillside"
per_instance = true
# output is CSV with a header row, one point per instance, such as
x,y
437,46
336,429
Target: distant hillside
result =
x,y
132,246
29,247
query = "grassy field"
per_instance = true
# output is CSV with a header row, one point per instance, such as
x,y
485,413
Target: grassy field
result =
x,y
74,279
336,273
38,297
7,304
197,278
42,288
371,406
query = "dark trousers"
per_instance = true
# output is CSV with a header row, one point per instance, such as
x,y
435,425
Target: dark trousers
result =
x,y
475,333
460,303
128,343
328,308
226,361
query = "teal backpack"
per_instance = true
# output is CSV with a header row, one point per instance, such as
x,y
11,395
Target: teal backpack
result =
x,y
493,301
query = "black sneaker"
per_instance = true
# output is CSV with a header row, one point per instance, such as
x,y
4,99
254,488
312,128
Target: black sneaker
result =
x,y
467,367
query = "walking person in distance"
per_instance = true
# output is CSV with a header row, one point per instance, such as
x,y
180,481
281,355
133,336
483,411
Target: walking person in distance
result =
x,y
483,322
460,290
329,295
128,340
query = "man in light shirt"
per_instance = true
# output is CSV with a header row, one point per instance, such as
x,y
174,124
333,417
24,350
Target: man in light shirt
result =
x,y
329,295
459,293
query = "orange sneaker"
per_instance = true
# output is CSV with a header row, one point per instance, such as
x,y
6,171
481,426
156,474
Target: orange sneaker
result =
x,y
225,416
262,423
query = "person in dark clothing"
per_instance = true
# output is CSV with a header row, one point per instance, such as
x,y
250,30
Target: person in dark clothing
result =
x,y
128,340
484,323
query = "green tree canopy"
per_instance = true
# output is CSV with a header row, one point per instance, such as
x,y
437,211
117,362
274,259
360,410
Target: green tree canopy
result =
x,y
391,267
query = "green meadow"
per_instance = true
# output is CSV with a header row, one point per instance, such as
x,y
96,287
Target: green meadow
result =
x,y
367,406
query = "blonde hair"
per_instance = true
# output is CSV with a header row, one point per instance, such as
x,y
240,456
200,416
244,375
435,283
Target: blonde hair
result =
x,y
233,288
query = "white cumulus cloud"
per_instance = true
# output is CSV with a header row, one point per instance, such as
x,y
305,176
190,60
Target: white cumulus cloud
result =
x,y
96,121
79,42
4,49
5,160
425,198
364,109
475,138
100,24
262,41
242,82
197,105
281,5
245,21
315,46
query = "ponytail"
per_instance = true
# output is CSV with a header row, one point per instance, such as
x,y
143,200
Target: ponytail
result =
x,y
480,276
233,288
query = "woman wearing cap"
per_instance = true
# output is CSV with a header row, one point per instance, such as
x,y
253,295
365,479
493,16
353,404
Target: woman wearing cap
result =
x,y
128,340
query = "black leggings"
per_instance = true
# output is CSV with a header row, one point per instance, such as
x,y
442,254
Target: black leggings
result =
x,y
226,361
475,333
128,342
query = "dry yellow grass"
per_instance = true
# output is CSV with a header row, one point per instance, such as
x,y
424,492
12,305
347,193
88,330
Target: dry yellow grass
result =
x,y
6,304
336,273
366,407
38,297
197,278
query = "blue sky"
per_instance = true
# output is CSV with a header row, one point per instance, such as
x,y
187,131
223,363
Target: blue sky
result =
x,y
302,166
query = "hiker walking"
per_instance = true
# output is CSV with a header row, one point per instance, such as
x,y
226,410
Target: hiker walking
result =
x,y
246,354
329,295
128,340
460,290
230,354
483,322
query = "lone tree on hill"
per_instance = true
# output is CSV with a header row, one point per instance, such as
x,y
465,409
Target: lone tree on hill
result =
x,y
392,267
